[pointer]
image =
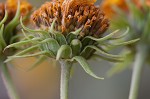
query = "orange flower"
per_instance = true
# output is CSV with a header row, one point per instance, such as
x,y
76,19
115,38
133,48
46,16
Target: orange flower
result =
x,y
25,7
72,4
71,15
11,6
108,4
138,3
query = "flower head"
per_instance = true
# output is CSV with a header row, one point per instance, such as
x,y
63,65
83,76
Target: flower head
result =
x,y
68,30
72,15
137,18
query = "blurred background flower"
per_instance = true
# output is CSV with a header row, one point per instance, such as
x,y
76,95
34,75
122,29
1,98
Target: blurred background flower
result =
x,y
136,16
9,20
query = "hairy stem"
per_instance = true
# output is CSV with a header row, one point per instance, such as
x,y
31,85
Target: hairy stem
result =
x,y
137,71
8,81
65,76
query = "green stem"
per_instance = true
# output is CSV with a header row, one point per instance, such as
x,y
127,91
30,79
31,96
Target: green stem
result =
x,y
65,76
8,81
137,71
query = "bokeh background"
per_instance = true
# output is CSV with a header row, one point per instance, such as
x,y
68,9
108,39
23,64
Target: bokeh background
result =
x,y
43,81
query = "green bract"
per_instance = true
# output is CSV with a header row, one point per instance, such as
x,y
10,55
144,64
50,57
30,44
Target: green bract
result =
x,y
55,45
7,34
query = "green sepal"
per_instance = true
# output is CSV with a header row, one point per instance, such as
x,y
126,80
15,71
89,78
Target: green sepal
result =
x,y
122,35
52,29
77,32
85,66
100,51
16,37
4,19
47,53
31,30
109,59
60,39
21,43
76,46
52,45
27,50
70,37
103,38
2,41
64,52
125,43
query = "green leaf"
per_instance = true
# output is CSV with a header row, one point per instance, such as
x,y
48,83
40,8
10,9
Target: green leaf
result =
x,y
64,51
85,66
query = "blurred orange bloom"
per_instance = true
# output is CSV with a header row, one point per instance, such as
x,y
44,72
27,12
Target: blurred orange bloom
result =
x,y
108,4
137,2
11,6
2,9
25,6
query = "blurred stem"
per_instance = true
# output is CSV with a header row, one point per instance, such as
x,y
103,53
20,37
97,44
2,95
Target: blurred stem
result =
x,y
8,81
137,71
65,76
